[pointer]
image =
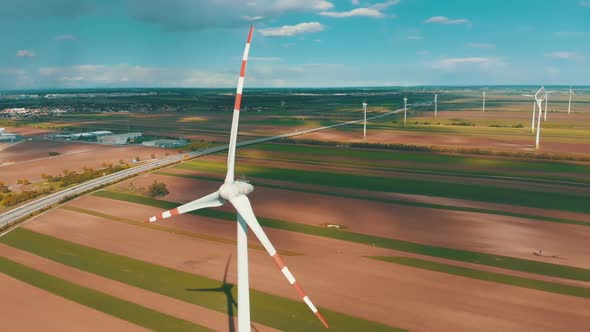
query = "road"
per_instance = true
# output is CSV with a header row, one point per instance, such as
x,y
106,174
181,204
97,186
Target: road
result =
x,y
12,216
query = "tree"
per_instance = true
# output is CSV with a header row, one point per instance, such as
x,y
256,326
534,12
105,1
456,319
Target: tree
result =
x,y
158,189
4,188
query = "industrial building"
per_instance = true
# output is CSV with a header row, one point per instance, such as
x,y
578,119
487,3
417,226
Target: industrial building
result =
x,y
8,137
89,136
119,139
166,143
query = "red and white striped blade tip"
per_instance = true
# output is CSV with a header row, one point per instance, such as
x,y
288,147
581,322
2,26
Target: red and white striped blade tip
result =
x,y
287,273
322,319
164,215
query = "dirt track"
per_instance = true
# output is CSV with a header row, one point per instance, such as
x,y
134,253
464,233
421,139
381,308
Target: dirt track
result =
x,y
27,308
331,272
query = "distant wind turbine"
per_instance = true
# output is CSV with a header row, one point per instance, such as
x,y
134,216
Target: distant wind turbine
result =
x,y
534,110
540,96
569,104
435,104
405,109
546,100
483,107
365,121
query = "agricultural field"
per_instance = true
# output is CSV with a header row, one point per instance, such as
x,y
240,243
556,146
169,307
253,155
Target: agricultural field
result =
x,y
456,236
457,224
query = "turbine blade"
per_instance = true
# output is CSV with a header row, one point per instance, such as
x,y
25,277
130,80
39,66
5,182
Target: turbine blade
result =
x,y
242,205
231,155
211,200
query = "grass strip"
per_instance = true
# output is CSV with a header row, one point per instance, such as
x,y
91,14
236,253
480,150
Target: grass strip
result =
x,y
426,158
170,230
395,201
511,263
270,310
541,285
110,305
474,191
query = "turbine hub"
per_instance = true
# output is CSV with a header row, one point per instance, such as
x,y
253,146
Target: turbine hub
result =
x,y
236,188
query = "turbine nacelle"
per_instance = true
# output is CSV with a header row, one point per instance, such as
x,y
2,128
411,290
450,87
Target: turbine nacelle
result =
x,y
233,189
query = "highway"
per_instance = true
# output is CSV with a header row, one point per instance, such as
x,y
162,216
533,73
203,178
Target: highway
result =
x,y
10,217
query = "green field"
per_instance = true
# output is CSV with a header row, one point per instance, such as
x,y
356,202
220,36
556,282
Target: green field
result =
x,y
113,306
545,286
505,262
316,190
271,310
484,193
422,160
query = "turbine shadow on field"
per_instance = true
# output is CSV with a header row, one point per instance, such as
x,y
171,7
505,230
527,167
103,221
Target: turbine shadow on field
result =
x,y
226,289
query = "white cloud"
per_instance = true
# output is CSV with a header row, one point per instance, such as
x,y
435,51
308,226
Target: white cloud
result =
x,y
64,37
365,12
203,14
421,53
585,3
374,11
356,2
414,37
446,20
253,18
481,45
480,63
25,54
292,30
92,75
565,55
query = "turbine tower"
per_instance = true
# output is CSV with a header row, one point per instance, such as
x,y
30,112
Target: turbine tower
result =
x,y
569,104
435,104
236,193
483,107
540,96
365,121
534,109
405,109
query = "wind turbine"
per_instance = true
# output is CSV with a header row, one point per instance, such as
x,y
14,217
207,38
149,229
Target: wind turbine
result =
x,y
483,107
435,104
236,192
534,110
546,100
405,109
540,96
365,121
569,104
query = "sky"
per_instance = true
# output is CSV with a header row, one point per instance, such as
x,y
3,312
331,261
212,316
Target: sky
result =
x,y
297,43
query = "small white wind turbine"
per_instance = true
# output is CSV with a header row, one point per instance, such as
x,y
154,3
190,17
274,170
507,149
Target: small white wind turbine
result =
x,y
569,104
534,110
546,100
483,106
365,120
540,96
236,193
435,104
405,109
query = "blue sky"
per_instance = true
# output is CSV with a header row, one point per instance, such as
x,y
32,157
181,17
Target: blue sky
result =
x,y
298,43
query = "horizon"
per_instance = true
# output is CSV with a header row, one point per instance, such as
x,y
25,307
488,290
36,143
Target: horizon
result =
x,y
482,87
